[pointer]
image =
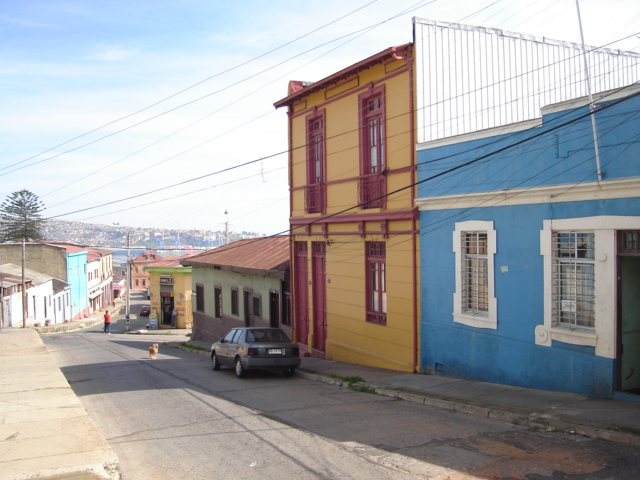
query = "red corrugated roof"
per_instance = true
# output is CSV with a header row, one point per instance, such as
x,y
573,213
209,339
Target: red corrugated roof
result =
x,y
170,262
268,253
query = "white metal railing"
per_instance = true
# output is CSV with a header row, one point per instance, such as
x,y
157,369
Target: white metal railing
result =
x,y
472,78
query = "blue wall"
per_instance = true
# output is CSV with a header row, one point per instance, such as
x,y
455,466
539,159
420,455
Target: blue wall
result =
x,y
551,154
509,354
77,278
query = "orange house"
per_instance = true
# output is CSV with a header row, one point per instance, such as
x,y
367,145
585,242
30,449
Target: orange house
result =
x,y
354,223
139,275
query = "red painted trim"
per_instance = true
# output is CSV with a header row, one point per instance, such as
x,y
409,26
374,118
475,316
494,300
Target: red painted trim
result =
x,y
358,217
343,74
350,93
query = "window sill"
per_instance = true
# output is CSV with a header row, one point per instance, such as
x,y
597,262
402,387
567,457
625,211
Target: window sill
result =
x,y
578,336
475,320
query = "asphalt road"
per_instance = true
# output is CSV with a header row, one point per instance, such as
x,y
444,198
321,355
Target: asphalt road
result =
x,y
174,417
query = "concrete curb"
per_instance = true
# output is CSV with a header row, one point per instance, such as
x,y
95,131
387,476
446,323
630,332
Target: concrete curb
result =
x,y
534,421
515,417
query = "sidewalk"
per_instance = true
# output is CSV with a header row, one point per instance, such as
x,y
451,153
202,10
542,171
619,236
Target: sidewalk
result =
x,y
45,432
616,420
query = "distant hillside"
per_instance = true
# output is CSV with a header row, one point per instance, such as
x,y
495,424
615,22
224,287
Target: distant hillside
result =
x,y
115,236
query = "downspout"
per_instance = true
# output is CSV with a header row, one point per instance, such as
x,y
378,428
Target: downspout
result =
x,y
592,106
415,231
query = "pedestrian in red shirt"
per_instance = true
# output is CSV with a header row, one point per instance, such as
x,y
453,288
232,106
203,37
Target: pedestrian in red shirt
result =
x,y
107,323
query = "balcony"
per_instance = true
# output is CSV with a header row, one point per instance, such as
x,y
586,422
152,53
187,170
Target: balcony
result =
x,y
371,190
315,198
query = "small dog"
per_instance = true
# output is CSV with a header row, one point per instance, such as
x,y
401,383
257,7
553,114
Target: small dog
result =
x,y
153,351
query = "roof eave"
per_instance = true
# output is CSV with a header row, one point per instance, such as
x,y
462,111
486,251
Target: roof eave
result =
x,y
346,72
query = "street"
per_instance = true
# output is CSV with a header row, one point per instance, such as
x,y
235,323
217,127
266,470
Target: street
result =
x,y
174,417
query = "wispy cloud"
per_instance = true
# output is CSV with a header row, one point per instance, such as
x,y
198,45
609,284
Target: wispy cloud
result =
x,y
109,53
24,22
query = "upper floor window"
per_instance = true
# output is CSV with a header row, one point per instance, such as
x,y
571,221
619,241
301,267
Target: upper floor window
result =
x,y
372,125
316,163
372,149
316,157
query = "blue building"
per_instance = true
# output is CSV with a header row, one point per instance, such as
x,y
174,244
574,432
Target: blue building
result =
x,y
530,254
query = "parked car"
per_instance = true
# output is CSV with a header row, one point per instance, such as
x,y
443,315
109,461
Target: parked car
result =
x,y
145,310
255,348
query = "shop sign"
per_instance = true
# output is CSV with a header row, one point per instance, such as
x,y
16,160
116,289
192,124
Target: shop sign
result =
x,y
166,279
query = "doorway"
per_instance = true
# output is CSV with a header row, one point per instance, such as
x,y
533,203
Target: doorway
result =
x,y
319,296
247,294
628,357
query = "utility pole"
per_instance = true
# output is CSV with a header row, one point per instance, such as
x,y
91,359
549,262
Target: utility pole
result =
x,y
592,106
1,298
226,228
24,289
128,276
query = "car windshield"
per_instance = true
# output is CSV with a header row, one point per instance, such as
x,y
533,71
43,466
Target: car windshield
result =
x,y
266,336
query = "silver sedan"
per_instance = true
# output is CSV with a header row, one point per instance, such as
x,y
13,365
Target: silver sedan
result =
x,y
255,348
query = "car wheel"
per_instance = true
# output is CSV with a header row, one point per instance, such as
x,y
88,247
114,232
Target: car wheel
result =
x,y
215,364
288,372
240,370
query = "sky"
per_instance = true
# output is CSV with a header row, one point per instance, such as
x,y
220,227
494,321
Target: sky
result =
x,y
159,114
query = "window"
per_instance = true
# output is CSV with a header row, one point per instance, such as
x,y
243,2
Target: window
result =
x,y
234,302
199,298
573,279
372,185
376,283
217,294
316,163
475,281
257,306
229,336
474,303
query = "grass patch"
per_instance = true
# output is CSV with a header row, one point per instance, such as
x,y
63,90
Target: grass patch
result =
x,y
193,347
349,380
362,388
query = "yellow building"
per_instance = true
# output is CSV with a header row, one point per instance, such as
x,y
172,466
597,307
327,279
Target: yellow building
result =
x,y
170,291
354,224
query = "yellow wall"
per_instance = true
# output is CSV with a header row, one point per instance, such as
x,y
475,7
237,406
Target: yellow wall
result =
x,y
181,295
350,338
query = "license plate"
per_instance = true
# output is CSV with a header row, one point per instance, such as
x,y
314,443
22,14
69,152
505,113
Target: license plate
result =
x,y
274,351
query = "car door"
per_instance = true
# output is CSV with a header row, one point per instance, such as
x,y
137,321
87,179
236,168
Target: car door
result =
x,y
224,348
234,345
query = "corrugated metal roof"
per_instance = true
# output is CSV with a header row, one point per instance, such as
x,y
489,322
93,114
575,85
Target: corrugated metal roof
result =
x,y
267,253
170,261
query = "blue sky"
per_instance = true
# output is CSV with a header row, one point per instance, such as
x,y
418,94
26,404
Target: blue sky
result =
x,y
124,111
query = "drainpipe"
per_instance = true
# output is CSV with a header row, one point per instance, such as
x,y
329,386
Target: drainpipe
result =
x,y
592,106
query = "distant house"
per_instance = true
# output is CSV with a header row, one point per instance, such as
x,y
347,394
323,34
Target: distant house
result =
x,y
99,278
47,299
67,262
139,274
170,287
244,283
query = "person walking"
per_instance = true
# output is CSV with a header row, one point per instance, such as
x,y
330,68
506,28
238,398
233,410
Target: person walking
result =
x,y
107,323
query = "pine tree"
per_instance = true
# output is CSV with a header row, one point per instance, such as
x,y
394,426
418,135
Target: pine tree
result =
x,y
20,217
